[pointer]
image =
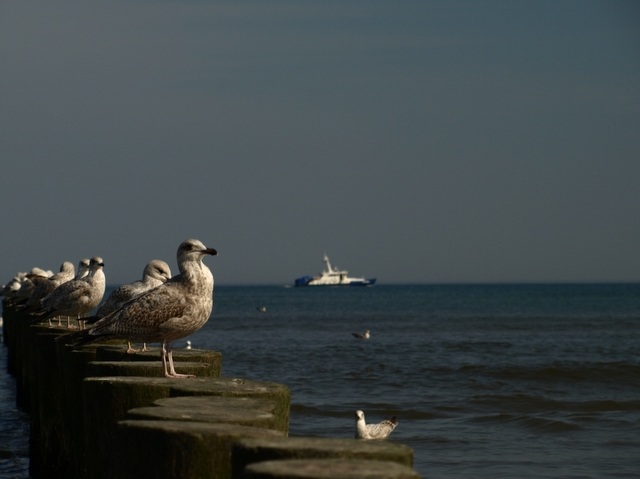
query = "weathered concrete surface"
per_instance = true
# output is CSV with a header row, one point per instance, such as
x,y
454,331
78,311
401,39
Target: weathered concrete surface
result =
x,y
234,410
146,368
213,414
236,387
218,401
72,368
46,444
247,451
178,449
328,469
106,401
119,353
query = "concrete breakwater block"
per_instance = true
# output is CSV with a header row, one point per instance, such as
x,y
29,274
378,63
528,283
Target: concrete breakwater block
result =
x,y
237,387
248,451
227,411
106,401
179,449
46,446
10,319
217,401
146,368
119,353
328,469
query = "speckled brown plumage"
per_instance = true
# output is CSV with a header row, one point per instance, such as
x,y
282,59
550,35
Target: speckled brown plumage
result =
x,y
155,273
173,310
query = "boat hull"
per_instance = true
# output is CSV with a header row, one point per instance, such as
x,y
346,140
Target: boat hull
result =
x,y
333,277
303,282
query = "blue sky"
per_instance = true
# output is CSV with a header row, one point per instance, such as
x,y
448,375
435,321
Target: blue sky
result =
x,y
413,141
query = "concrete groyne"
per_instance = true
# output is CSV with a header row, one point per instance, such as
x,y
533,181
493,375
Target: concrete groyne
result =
x,y
97,412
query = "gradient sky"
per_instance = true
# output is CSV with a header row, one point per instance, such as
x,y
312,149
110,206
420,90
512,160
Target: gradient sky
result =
x,y
413,141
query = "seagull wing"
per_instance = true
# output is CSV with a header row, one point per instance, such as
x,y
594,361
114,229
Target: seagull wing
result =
x,y
147,316
382,430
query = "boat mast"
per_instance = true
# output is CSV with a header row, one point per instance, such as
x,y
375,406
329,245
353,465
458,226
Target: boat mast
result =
x,y
326,260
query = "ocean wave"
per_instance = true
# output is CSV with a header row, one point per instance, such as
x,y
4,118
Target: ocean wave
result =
x,y
535,423
534,403
560,371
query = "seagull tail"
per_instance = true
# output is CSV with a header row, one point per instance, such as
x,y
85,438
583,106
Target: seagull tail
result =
x,y
91,319
79,338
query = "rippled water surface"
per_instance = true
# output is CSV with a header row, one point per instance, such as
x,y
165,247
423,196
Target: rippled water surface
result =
x,y
522,381
486,381
14,427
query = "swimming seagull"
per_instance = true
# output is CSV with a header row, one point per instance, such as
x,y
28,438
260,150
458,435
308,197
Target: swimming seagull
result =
x,y
77,297
366,335
373,431
154,274
262,309
171,311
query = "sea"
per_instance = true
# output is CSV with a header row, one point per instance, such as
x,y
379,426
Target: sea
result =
x,y
486,380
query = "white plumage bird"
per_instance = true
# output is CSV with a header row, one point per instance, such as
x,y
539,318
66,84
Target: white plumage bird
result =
x,y
373,431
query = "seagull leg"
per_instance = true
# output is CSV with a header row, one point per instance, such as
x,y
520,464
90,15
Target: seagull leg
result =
x,y
144,347
130,350
163,355
172,371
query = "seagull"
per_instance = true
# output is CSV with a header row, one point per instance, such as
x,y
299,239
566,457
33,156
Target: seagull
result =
x,y
83,272
77,297
46,287
366,335
83,268
154,274
262,309
373,431
171,311
28,284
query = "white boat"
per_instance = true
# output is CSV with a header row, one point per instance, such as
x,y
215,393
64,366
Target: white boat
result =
x,y
333,277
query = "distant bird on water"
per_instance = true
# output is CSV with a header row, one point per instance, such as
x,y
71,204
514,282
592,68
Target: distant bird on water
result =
x,y
374,431
262,309
366,335
171,311
155,273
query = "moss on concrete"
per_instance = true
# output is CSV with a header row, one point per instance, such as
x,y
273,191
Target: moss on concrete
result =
x,y
249,451
328,469
119,353
217,401
236,387
213,414
178,449
146,368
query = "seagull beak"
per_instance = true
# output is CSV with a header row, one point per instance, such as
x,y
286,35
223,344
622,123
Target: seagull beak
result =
x,y
210,251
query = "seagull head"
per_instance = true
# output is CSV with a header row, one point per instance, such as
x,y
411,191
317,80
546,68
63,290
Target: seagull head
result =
x,y
96,263
157,269
194,250
67,267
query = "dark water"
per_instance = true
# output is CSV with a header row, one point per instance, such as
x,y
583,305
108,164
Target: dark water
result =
x,y
486,380
14,427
